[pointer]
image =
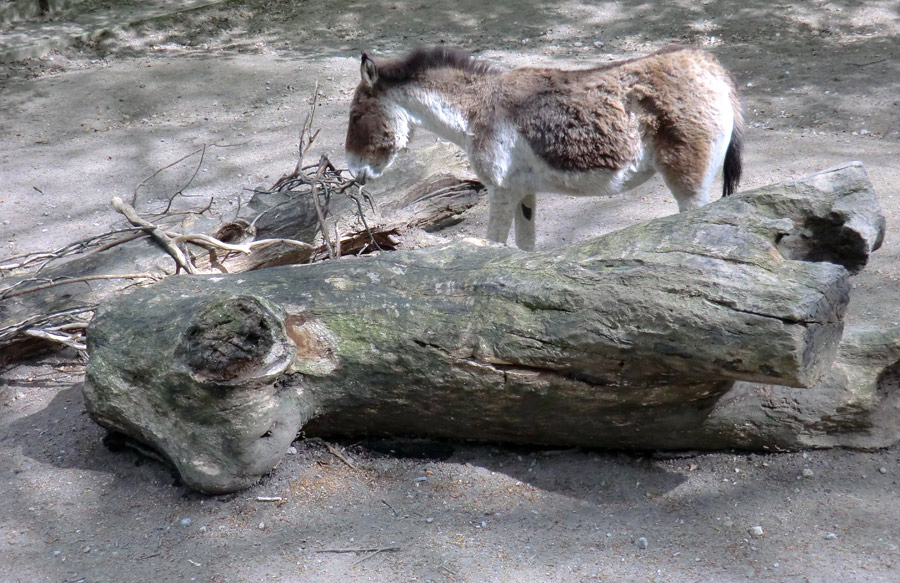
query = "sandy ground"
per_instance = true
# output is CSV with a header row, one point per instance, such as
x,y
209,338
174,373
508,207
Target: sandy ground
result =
x,y
821,84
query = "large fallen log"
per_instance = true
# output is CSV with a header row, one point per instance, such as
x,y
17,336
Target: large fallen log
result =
x,y
626,340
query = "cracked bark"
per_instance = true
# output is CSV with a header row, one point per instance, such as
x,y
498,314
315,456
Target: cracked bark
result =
x,y
629,340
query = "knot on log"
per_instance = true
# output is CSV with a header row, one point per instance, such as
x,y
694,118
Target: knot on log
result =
x,y
234,338
195,378
235,232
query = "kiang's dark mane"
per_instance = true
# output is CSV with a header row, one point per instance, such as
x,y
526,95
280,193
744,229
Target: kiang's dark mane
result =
x,y
425,59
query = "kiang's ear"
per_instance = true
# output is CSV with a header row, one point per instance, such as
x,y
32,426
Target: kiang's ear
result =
x,y
368,71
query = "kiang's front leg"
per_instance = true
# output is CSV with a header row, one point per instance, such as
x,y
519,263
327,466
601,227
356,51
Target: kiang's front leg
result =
x,y
501,206
526,213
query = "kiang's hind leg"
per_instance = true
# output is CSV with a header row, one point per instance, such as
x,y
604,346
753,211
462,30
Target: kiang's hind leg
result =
x,y
501,205
690,163
688,191
684,163
691,173
525,213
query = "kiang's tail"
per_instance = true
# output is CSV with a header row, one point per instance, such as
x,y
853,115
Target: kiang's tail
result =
x,y
731,170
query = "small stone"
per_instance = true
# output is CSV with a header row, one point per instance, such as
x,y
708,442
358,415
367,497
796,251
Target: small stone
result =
x,y
831,536
642,543
882,470
808,473
185,521
291,450
429,520
756,531
262,526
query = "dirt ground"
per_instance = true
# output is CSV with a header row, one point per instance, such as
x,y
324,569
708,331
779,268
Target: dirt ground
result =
x,y
821,85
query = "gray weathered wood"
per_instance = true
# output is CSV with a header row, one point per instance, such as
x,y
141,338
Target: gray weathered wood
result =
x,y
626,340
857,404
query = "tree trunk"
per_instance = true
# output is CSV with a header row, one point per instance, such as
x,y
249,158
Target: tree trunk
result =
x,y
626,340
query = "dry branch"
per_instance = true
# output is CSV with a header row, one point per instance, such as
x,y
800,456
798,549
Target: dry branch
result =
x,y
75,318
180,191
155,232
14,293
75,341
314,194
92,244
279,227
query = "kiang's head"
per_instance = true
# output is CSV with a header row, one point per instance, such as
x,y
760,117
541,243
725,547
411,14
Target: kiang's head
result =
x,y
378,128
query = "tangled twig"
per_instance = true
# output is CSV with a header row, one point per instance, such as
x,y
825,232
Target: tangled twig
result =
x,y
13,292
322,181
93,244
315,197
62,335
180,191
64,327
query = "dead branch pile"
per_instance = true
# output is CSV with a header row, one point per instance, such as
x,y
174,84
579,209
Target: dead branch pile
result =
x,y
313,213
